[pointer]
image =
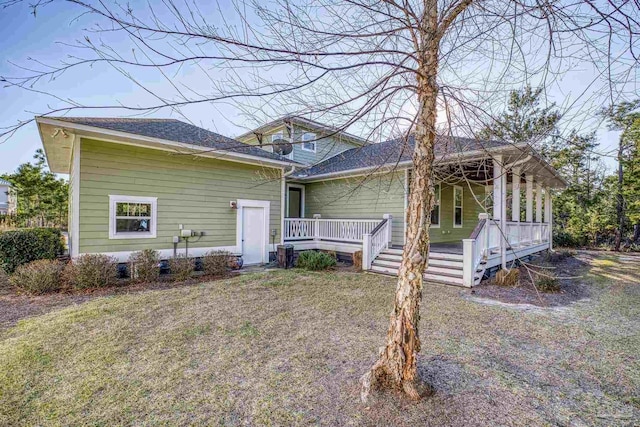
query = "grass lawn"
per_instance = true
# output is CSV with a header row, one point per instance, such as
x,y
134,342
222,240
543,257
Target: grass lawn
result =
x,y
288,348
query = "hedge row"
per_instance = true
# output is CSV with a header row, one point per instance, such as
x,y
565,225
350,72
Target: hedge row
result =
x,y
19,247
92,271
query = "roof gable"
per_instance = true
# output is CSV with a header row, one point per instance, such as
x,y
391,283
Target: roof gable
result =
x,y
307,124
172,130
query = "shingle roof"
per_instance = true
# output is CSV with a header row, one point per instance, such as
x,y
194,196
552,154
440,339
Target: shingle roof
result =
x,y
173,130
4,182
391,152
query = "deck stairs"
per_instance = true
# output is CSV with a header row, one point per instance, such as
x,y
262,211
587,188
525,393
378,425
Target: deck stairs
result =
x,y
444,268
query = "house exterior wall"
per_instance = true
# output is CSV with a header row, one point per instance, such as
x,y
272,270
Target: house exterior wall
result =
x,y
380,194
359,198
470,210
192,191
325,147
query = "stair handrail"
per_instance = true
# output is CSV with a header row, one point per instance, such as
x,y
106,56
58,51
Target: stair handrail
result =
x,y
475,249
373,243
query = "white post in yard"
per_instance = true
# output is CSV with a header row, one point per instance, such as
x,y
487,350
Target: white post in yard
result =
x,y
366,252
515,201
468,264
500,204
316,226
389,219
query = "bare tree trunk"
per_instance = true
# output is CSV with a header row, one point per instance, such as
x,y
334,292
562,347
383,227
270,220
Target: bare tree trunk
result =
x,y
396,366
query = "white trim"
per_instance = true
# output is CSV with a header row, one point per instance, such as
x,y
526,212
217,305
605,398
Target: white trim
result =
x,y
439,207
283,198
312,141
458,187
302,199
198,150
114,199
266,205
75,200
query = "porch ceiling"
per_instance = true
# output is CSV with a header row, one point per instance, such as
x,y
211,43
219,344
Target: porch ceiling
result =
x,y
481,170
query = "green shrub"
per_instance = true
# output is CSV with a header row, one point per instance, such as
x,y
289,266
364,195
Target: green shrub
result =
x,y
145,265
312,260
19,247
39,277
216,263
181,268
567,240
92,271
547,282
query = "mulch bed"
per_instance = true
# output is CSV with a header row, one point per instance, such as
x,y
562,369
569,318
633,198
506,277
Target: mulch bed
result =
x,y
569,271
15,306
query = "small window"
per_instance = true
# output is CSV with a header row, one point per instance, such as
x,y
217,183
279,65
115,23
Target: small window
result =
x,y
132,217
309,142
457,206
435,213
274,138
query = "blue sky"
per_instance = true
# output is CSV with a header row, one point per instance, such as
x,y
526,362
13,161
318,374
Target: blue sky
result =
x,y
23,36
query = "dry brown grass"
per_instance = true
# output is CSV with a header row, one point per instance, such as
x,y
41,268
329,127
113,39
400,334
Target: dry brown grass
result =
x,y
288,347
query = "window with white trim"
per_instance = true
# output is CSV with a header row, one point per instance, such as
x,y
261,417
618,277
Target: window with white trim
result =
x,y
435,212
309,142
274,138
457,206
132,217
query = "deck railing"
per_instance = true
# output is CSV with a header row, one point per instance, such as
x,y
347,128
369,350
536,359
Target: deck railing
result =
x,y
338,230
376,241
486,239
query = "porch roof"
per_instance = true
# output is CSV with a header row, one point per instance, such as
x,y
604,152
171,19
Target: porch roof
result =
x,y
397,154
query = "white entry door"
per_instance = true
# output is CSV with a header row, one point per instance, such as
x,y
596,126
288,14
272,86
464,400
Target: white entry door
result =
x,y
253,232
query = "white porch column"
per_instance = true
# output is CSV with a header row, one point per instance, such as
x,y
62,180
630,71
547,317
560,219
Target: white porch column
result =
x,y
529,204
500,204
515,194
538,202
548,215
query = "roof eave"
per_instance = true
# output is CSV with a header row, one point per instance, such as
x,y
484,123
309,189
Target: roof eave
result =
x,y
122,137
446,159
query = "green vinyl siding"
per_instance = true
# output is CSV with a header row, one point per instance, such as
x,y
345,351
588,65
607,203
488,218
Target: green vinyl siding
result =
x,y
379,194
359,198
325,147
470,210
193,191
